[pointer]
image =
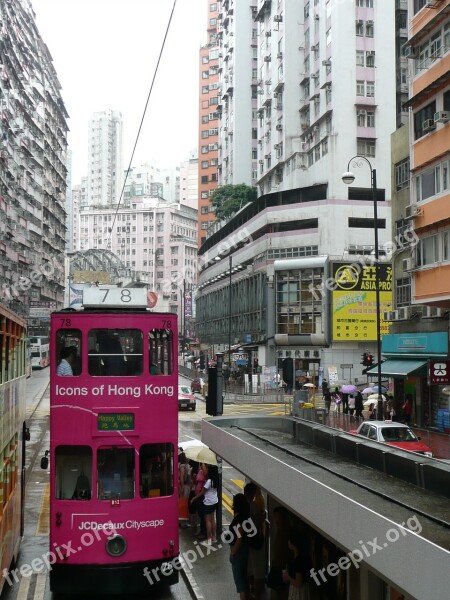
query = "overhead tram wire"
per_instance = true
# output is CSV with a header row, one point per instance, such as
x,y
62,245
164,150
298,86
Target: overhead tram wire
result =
x,y
110,229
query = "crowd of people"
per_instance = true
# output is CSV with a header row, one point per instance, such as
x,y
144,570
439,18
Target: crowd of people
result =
x,y
353,405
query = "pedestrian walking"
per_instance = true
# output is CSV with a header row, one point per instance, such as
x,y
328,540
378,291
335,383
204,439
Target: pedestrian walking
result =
x,y
359,405
344,403
407,409
337,401
351,407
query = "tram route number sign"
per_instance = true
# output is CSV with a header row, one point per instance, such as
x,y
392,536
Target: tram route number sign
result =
x,y
115,421
240,358
115,297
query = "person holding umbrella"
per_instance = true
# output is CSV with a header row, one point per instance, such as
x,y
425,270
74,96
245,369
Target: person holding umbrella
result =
x,y
346,391
210,499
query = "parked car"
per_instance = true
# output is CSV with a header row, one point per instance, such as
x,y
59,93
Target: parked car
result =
x,y
186,398
393,434
197,385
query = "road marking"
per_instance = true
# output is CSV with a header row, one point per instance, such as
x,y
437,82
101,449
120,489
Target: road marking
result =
x,y
23,588
39,590
44,513
227,502
190,580
238,483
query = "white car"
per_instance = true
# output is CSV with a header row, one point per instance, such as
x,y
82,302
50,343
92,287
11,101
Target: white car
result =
x,y
393,434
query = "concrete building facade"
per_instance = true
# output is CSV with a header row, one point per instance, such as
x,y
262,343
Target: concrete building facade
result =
x,y
33,170
326,103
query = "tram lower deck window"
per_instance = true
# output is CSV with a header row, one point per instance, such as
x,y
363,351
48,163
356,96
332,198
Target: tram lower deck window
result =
x,y
73,472
155,470
115,473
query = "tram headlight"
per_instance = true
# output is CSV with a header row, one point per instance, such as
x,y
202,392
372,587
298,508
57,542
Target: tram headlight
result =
x,y
116,545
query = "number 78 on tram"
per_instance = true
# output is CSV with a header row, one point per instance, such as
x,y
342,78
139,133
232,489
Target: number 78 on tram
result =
x,y
113,445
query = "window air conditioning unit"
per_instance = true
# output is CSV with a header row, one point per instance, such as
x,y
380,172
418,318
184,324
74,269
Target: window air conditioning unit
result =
x,y
428,125
280,55
314,47
442,116
432,312
279,127
305,146
408,264
314,76
404,313
267,58
410,52
277,18
391,315
326,63
412,211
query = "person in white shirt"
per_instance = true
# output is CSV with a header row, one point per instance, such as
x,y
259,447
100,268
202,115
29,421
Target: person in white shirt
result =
x,y
64,367
210,499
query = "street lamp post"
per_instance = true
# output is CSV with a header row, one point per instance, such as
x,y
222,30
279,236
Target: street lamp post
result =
x,y
229,317
349,178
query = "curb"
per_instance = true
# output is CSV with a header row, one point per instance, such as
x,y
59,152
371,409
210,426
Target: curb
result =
x,y
190,581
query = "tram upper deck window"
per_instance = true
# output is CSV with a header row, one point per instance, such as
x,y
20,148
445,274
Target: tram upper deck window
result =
x,y
160,352
73,473
68,348
115,352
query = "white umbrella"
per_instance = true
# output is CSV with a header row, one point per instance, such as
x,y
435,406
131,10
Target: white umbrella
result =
x,y
191,444
201,454
373,399
309,385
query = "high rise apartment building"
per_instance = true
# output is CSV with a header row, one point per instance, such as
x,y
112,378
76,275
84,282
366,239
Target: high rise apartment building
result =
x,y
105,167
33,149
429,51
208,144
238,59
325,98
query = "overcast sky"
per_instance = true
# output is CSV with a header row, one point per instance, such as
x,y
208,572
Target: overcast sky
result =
x,y
105,53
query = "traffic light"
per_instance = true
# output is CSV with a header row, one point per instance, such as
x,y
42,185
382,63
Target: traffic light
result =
x,y
367,359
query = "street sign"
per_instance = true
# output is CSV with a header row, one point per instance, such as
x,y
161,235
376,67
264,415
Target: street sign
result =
x,y
240,358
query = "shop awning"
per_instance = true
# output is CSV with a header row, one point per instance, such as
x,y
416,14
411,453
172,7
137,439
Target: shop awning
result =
x,y
398,367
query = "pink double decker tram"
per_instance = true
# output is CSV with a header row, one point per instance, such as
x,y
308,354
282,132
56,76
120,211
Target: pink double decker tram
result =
x,y
113,448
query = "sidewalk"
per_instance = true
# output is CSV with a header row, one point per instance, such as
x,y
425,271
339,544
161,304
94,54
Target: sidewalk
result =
x,y
206,569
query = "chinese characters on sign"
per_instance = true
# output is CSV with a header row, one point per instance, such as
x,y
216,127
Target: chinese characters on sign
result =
x,y
354,314
439,372
115,422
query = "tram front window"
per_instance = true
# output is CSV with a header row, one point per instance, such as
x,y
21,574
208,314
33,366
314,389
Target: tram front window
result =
x,y
73,473
115,473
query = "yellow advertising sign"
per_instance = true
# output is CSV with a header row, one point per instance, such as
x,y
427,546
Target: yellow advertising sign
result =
x,y
91,277
354,315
